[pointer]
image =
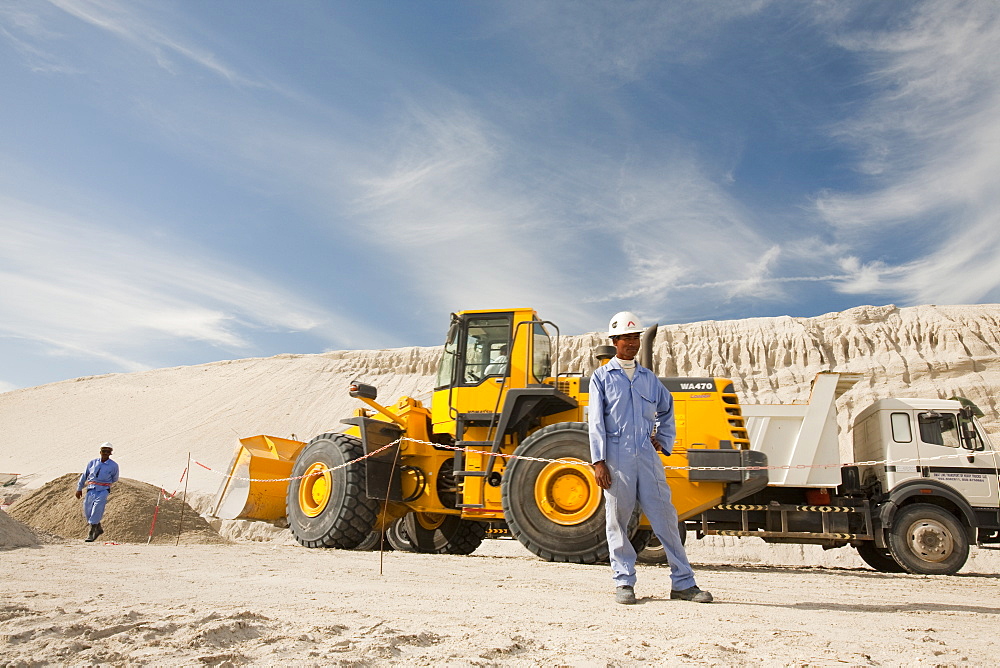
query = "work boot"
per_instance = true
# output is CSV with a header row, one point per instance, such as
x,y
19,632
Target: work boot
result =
x,y
625,595
691,594
92,536
99,530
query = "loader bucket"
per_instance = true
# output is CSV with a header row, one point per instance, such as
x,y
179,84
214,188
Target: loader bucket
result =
x,y
268,460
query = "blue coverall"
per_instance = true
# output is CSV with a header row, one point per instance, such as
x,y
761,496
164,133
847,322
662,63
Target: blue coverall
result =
x,y
98,477
622,416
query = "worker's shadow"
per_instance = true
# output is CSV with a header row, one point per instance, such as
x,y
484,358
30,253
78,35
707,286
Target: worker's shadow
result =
x,y
882,609
848,607
834,571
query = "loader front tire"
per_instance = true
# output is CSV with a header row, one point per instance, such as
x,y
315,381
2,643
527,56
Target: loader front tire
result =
x,y
556,510
329,508
434,533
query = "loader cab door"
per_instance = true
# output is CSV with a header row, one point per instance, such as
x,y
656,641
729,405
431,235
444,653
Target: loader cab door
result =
x,y
953,451
475,365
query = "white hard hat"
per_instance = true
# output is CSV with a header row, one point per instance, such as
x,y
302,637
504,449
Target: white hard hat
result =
x,y
624,322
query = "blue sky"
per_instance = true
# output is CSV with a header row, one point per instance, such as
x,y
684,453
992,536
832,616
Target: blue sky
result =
x,y
182,182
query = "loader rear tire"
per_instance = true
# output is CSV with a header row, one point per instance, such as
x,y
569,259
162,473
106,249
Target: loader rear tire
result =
x,y
329,508
556,510
433,533
878,558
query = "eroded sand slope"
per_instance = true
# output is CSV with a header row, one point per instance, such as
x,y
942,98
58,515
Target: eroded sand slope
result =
x,y
155,418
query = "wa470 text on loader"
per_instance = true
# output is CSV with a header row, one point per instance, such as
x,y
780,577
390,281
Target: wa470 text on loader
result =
x,y
448,471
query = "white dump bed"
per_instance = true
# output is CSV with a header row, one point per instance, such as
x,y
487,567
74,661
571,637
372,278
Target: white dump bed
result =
x,y
801,435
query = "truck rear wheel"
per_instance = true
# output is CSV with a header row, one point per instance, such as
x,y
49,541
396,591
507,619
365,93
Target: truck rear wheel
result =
x,y
928,540
329,508
556,510
437,533
878,558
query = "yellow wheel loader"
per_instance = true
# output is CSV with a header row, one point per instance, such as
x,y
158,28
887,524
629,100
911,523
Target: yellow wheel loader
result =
x,y
504,442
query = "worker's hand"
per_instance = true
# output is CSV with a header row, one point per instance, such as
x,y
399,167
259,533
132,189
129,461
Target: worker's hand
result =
x,y
602,475
79,494
656,444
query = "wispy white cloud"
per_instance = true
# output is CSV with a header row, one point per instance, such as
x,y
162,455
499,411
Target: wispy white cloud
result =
x,y
125,21
7,387
620,41
509,228
80,288
930,141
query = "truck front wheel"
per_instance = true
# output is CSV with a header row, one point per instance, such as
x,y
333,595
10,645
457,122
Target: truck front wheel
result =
x,y
928,540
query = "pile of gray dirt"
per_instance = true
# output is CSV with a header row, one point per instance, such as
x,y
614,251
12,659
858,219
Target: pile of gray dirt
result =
x,y
54,508
14,534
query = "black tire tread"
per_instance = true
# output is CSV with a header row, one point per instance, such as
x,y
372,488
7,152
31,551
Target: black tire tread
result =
x,y
878,558
354,520
454,536
600,551
912,563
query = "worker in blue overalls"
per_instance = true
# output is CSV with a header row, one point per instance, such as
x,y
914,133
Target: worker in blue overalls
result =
x,y
98,477
631,418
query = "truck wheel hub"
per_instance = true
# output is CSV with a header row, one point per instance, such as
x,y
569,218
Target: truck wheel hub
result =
x,y
931,540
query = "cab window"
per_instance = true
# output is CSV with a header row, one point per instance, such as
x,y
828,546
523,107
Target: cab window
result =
x,y
901,432
485,340
939,429
447,365
541,348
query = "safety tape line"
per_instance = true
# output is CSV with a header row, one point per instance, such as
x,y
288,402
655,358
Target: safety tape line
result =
x,y
308,475
577,462
174,493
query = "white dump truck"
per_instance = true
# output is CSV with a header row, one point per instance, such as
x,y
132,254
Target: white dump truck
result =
x,y
922,485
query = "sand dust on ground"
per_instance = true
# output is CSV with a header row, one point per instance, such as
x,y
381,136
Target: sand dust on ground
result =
x,y
54,508
259,604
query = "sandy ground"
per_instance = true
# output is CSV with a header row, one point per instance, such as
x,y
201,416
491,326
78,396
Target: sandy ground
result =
x,y
267,603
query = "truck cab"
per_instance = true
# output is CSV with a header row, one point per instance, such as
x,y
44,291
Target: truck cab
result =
x,y
928,440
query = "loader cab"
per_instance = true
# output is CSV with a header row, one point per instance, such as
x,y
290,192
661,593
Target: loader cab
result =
x,y
486,354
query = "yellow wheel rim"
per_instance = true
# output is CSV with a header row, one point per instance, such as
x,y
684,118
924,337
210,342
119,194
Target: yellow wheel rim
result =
x,y
430,521
567,494
314,490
